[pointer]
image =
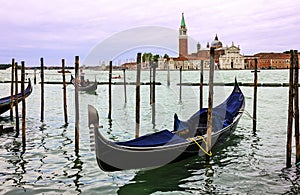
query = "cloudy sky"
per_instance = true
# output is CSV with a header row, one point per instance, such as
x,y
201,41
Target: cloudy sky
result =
x,y
56,29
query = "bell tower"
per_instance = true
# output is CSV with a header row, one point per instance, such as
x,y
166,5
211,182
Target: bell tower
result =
x,y
183,38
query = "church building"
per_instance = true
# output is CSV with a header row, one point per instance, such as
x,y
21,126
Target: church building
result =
x,y
232,59
193,61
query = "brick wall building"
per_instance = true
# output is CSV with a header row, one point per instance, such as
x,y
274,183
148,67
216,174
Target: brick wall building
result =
x,y
273,60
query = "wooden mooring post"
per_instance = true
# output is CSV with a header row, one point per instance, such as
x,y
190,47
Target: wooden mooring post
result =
x,y
76,105
153,93
34,76
296,104
12,89
168,76
201,85
125,94
42,90
150,82
64,92
291,111
23,104
16,100
137,97
255,95
210,101
180,84
109,89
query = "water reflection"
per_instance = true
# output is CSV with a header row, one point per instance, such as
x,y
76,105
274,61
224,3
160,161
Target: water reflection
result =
x,y
15,162
77,165
163,179
192,175
292,175
252,162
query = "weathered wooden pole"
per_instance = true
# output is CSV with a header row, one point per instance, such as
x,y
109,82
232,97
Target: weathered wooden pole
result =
x,y
290,115
23,104
210,100
137,109
168,76
64,91
125,94
42,90
12,89
296,104
34,76
16,100
255,95
76,105
109,89
180,83
153,94
153,82
201,85
150,84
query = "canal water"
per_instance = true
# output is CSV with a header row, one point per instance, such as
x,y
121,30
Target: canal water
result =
x,y
249,163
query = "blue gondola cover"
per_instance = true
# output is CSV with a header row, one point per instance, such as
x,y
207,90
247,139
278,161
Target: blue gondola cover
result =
x,y
164,137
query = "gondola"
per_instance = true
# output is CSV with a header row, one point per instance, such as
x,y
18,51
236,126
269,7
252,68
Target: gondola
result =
x,y
5,102
116,77
87,86
160,148
66,71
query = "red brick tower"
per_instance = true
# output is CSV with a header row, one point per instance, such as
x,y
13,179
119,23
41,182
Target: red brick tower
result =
x,y
183,39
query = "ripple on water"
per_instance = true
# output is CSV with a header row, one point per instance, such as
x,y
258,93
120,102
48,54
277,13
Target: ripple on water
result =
x,y
249,163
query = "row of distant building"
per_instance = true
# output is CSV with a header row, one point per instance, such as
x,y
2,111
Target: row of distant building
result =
x,y
226,58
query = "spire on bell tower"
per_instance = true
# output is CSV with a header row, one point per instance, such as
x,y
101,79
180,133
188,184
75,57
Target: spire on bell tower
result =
x,y
182,21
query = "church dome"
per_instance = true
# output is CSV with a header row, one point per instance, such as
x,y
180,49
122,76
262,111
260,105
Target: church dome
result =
x,y
216,43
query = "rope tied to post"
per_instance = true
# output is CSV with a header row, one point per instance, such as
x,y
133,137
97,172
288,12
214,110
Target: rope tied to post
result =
x,y
248,114
201,137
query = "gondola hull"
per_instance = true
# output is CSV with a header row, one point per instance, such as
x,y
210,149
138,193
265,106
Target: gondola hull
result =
x,y
111,157
143,152
89,87
92,87
5,103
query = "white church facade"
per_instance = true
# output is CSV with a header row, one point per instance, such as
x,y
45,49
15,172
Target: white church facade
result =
x,y
232,59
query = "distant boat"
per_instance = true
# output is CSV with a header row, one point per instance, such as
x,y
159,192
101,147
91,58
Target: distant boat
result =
x,y
66,71
87,86
163,147
116,77
5,102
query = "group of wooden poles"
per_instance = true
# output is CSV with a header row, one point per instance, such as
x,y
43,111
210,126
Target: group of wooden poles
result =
x,y
293,109
152,95
14,98
293,98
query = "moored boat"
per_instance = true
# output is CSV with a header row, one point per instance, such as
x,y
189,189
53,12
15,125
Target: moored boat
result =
x,y
5,102
160,148
86,86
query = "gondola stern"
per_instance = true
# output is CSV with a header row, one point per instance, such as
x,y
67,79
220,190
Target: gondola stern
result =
x,y
236,86
29,87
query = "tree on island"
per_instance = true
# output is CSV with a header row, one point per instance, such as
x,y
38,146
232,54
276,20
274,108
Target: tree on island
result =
x,y
155,58
147,57
166,56
289,52
150,57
